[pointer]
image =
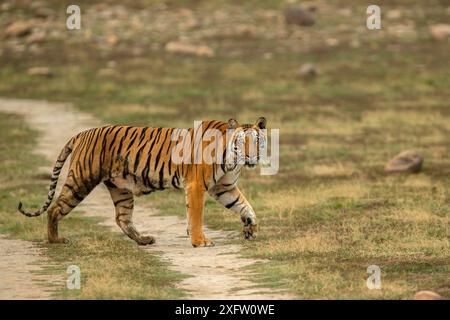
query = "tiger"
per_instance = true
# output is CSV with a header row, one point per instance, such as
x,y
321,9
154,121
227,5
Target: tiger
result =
x,y
133,161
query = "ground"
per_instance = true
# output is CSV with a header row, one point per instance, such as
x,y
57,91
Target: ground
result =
x,y
331,211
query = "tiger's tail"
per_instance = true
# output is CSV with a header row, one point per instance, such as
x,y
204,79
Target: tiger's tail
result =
x,y
66,151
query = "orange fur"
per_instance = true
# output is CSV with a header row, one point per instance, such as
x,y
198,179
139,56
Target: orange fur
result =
x,y
132,161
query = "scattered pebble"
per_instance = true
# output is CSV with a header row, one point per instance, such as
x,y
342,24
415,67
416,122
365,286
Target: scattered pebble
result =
x,y
18,29
40,71
427,295
185,48
405,162
308,70
112,39
36,37
299,15
440,31
43,13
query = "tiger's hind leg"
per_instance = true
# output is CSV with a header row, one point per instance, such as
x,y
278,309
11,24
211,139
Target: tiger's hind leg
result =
x,y
124,203
68,199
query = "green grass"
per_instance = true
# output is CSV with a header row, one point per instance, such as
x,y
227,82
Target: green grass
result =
x,y
111,266
330,212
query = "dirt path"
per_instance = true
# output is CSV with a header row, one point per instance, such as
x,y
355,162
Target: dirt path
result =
x,y
19,265
215,273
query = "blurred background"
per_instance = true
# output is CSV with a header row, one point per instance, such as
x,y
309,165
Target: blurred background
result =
x,y
346,99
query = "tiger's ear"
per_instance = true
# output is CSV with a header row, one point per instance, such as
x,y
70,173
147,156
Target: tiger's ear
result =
x,y
232,124
261,123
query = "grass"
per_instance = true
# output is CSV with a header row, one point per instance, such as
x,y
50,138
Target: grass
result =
x,y
111,266
330,212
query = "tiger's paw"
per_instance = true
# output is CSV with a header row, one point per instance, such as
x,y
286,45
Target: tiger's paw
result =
x,y
145,240
203,243
60,240
250,231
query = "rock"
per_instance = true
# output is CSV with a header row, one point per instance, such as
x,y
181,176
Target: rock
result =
x,y
427,295
19,28
5,6
299,15
204,51
40,71
440,31
185,48
407,161
308,70
112,39
43,13
36,37
332,42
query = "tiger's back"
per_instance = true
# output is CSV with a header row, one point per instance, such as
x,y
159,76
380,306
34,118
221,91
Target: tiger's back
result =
x,y
134,158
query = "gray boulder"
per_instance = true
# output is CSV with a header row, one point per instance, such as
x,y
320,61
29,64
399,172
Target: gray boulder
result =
x,y
408,161
299,15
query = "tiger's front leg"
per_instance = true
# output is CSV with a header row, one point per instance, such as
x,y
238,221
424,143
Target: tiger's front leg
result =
x,y
232,198
195,197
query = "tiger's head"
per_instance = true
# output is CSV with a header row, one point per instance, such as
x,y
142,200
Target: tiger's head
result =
x,y
246,143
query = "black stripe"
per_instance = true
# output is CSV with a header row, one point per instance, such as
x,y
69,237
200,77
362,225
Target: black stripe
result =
x,y
161,178
133,139
101,159
113,140
160,149
122,200
204,182
127,130
109,184
230,205
174,182
92,154
138,154
221,193
146,170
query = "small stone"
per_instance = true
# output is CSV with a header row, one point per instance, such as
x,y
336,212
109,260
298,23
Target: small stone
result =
x,y
299,15
427,295
112,39
332,42
5,6
407,161
440,31
18,29
185,48
204,51
43,13
36,37
40,71
308,70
